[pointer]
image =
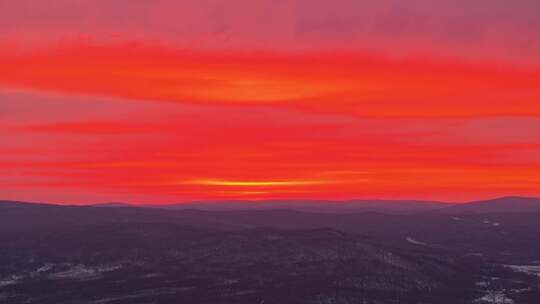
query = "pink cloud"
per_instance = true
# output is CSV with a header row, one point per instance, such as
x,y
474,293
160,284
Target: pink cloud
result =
x,y
478,29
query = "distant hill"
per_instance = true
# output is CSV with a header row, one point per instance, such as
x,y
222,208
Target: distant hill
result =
x,y
510,204
17,204
163,262
247,256
113,205
510,237
323,206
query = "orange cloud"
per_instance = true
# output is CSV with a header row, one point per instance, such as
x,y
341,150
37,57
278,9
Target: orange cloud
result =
x,y
331,83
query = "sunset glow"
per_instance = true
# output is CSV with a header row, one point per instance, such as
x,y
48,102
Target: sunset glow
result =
x,y
148,116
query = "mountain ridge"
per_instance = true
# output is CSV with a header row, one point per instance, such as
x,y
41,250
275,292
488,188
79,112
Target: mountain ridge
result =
x,y
513,204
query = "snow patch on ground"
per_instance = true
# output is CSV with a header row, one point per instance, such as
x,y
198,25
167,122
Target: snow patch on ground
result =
x,y
529,269
77,272
108,268
44,268
482,284
415,242
10,281
495,297
143,294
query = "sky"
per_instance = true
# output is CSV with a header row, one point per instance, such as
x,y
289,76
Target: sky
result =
x,y
168,101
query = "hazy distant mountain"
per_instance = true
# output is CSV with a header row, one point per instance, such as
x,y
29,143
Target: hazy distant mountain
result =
x,y
503,204
510,204
112,204
325,206
18,204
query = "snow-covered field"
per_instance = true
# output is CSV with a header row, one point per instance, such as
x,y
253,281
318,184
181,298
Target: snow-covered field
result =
x,y
9,281
495,297
529,269
60,271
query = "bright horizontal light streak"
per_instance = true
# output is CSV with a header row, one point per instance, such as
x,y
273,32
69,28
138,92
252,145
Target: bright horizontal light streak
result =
x,y
213,182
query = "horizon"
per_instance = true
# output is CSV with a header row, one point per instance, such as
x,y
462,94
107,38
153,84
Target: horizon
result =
x,y
262,201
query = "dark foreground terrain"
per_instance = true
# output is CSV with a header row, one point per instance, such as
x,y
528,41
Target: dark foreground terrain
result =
x,y
54,254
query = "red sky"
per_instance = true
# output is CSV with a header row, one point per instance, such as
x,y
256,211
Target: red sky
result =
x,y
170,101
